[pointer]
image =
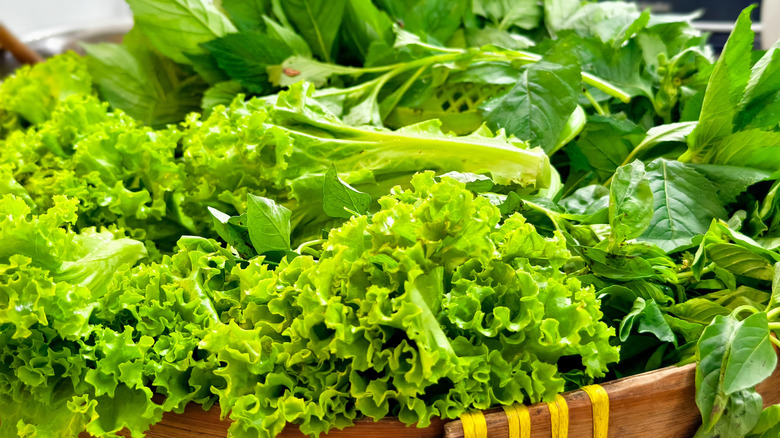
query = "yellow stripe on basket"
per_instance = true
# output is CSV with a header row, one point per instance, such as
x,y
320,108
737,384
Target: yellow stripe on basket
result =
x,y
474,425
519,421
599,399
559,417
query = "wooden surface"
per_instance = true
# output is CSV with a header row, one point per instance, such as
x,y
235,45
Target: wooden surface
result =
x,y
658,404
18,49
197,423
653,405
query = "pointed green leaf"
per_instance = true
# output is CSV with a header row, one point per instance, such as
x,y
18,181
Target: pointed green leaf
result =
x,y
740,261
538,107
246,56
684,204
234,232
339,199
733,356
268,224
724,90
318,21
177,28
630,202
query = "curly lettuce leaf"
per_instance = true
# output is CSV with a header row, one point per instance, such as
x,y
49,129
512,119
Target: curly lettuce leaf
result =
x,y
428,309
33,92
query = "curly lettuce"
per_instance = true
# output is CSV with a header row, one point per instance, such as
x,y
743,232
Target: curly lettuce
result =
x,y
427,308
51,280
159,183
282,148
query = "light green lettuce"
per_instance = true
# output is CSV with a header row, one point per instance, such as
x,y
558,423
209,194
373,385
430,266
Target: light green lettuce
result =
x,y
427,308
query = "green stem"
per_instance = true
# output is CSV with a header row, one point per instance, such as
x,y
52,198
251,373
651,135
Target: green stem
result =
x,y
349,90
745,307
401,91
688,274
454,54
772,314
391,71
774,341
549,213
593,81
641,148
593,102
307,245
601,84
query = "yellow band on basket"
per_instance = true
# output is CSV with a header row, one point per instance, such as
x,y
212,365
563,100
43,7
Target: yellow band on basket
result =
x,y
519,421
474,425
599,399
559,417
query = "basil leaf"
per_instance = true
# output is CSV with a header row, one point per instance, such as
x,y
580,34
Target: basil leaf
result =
x,y
538,107
647,317
630,202
768,425
733,356
724,90
318,21
506,13
268,224
606,142
740,261
684,204
246,56
147,86
234,232
339,199
731,181
247,14
178,27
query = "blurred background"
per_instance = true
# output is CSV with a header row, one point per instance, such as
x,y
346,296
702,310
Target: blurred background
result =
x,y
718,16
28,18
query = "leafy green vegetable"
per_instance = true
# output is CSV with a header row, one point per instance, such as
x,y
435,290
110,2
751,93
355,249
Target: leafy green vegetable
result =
x,y
630,202
466,290
725,393
769,423
34,92
298,140
539,105
177,28
402,306
318,21
246,56
524,14
684,204
339,199
147,322
268,224
648,318
607,142
149,87
247,14
234,231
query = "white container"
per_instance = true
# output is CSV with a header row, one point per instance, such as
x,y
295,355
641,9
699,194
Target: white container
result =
x,y
25,17
770,22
